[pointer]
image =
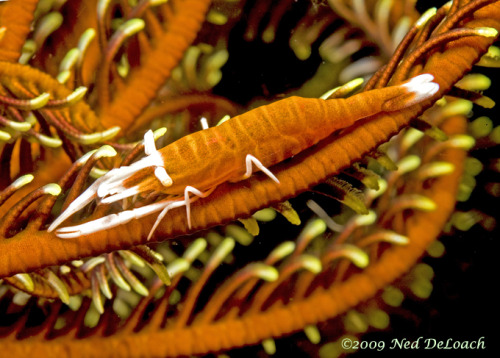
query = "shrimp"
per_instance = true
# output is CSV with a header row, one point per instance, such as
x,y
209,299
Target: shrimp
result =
x,y
254,141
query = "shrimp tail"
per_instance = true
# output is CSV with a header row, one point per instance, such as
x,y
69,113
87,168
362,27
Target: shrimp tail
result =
x,y
418,89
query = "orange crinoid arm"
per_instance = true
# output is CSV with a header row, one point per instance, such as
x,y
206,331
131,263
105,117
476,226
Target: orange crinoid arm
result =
x,y
158,64
313,282
15,24
278,320
23,253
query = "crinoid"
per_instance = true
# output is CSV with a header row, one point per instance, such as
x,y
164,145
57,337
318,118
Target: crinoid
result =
x,y
321,244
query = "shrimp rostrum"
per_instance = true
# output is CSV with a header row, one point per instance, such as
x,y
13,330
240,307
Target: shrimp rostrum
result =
x,y
193,166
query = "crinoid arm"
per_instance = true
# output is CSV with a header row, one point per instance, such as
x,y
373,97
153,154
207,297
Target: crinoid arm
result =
x,y
418,89
249,160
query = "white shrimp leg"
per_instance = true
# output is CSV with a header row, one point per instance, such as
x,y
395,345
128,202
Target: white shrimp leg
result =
x,y
189,189
113,220
162,215
86,197
175,204
249,160
110,186
113,190
121,195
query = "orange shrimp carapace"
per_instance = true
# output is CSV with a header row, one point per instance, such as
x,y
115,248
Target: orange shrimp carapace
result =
x,y
196,164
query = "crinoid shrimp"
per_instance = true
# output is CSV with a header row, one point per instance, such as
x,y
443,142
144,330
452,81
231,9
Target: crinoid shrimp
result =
x,y
193,166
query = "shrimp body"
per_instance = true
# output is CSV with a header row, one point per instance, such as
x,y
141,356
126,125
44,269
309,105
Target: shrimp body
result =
x,y
262,137
270,133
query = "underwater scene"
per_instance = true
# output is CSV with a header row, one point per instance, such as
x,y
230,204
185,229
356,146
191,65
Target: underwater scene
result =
x,y
249,178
